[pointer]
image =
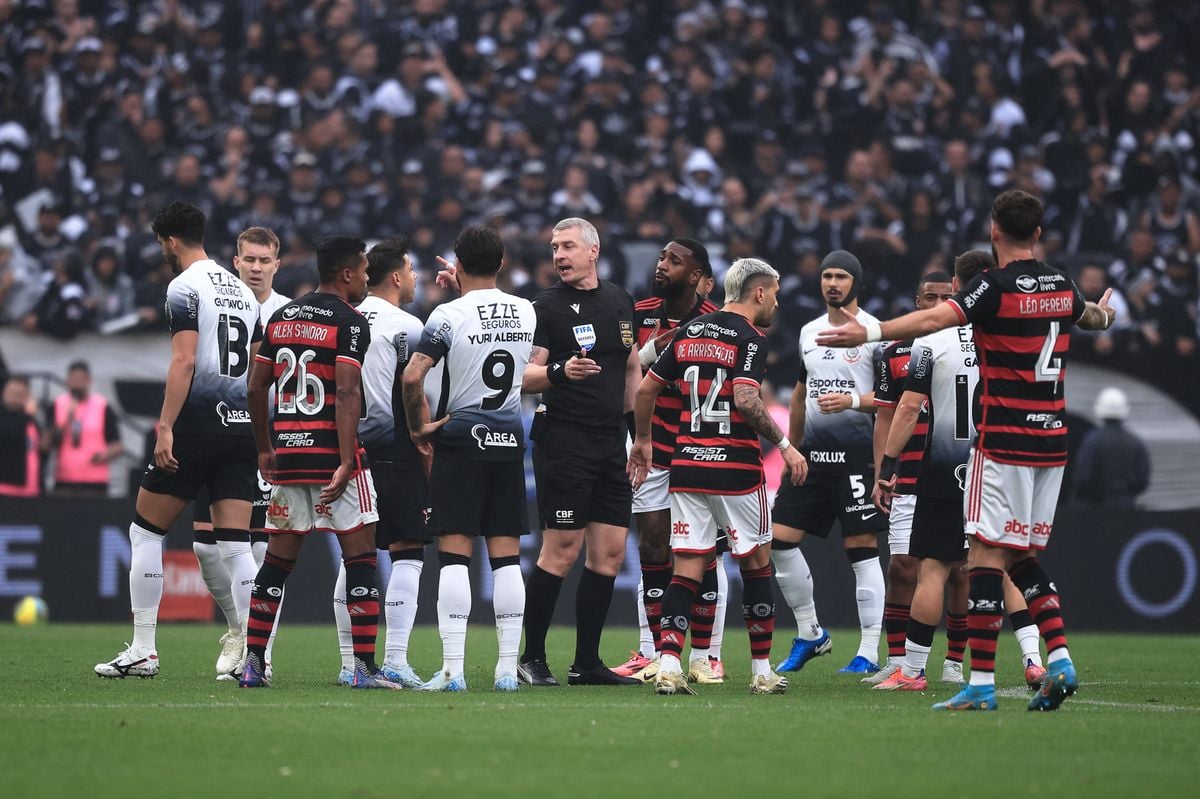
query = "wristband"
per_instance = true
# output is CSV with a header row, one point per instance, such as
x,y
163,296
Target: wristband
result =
x,y
783,444
648,354
887,467
855,401
556,373
1107,322
874,330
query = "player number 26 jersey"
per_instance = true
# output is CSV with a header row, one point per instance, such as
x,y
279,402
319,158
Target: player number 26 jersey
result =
x,y
716,451
485,338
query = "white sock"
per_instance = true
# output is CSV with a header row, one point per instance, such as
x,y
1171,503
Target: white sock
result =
x,y
795,581
400,609
216,577
645,637
669,664
1030,641
508,600
259,548
718,633
1058,654
760,667
145,583
239,562
916,657
454,608
868,579
341,617
982,677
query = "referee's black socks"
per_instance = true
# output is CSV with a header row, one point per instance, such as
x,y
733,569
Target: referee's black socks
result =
x,y
541,595
591,611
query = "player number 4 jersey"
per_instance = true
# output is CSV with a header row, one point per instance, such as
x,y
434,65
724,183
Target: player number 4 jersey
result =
x,y
1022,315
485,338
221,309
944,368
837,442
716,451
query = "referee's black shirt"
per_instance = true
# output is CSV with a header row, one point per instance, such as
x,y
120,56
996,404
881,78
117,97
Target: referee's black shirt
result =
x,y
564,315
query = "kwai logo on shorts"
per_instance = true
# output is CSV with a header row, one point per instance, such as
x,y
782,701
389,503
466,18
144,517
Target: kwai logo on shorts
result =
x,y
486,437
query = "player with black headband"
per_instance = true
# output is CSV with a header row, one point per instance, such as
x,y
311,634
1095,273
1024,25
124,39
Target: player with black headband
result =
x,y
839,449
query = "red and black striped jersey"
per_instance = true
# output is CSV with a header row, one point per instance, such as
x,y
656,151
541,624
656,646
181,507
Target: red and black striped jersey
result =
x,y
1022,315
890,376
716,451
304,342
650,319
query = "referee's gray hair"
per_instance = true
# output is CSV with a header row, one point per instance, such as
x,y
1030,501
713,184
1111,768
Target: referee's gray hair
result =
x,y
587,231
741,272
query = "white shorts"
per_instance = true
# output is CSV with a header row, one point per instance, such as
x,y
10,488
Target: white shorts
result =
x,y
900,523
652,494
695,519
1008,505
298,509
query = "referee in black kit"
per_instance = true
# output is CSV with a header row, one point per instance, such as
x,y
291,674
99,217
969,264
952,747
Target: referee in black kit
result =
x,y
585,363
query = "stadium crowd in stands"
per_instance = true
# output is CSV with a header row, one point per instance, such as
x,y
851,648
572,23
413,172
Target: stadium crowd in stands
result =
x,y
776,129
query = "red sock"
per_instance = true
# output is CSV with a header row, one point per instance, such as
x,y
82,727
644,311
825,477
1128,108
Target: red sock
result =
x,y
895,623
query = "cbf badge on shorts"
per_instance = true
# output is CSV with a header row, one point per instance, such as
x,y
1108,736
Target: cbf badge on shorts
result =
x,y
585,337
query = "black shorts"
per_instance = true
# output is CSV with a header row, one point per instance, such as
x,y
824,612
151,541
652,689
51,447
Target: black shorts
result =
x,y
937,530
202,512
473,497
827,497
581,477
225,465
402,499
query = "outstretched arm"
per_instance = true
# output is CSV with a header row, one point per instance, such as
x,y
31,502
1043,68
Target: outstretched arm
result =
x,y
911,325
1098,316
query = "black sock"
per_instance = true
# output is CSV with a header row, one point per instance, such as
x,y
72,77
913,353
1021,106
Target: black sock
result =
x,y
920,634
264,603
676,607
541,595
591,611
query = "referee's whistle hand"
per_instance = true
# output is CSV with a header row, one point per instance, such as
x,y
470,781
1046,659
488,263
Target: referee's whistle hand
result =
x,y
580,368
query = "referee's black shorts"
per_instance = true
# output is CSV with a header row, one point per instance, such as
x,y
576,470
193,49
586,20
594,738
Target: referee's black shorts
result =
x,y
581,476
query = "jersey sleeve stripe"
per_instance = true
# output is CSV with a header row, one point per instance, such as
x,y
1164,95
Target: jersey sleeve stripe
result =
x,y
350,361
749,381
953,303
662,380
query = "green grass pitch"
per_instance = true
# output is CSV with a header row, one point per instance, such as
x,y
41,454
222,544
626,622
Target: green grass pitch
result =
x,y
1132,730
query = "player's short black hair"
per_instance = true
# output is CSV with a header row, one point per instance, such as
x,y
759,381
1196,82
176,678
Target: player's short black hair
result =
x,y
183,221
1018,214
384,258
699,253
336,253
79,366
932,277
970,264
479,251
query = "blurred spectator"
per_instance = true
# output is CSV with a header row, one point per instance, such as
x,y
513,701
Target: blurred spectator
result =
x,y
20,459
84,437
62,311
1112,466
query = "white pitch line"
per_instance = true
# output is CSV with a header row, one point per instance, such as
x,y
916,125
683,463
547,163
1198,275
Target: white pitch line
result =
x,y
1018,693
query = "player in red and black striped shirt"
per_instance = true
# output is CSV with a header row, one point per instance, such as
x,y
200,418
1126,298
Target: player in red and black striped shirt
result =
x,y
313,352
932,290
682,266
1021,312
717,362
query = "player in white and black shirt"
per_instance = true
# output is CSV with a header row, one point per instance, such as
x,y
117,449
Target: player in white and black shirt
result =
x,y
477,482
256,262
830,421
204,436
397,469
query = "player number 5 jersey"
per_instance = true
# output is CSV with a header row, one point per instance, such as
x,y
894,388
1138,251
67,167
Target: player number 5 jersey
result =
x,y
716,451
485,338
